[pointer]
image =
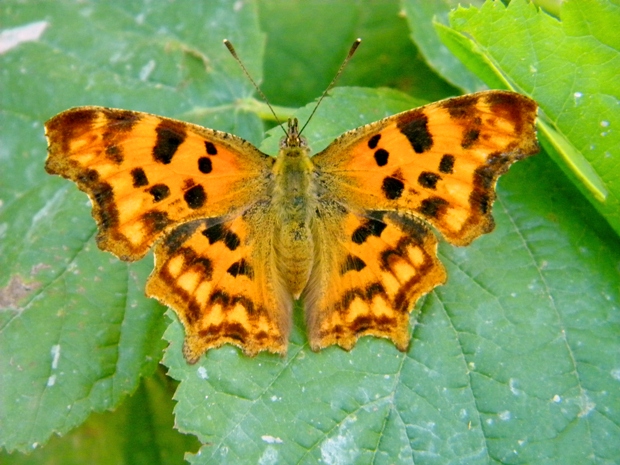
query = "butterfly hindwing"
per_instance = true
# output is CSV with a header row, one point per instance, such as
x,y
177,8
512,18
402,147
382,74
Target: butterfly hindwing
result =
x,y
145,173
220,278
369,272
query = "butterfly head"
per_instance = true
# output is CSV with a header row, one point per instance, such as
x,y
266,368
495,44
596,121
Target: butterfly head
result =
x,y
293,138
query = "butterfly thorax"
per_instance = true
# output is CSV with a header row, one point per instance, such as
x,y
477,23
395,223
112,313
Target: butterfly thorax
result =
x,y
294,205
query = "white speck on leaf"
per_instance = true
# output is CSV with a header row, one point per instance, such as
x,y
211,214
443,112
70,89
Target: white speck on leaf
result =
x,y
605,124
146,70
586,405
11,38
271,439
615,374
51,381
505,415
341,448
269,456
202,373
55,351
513,383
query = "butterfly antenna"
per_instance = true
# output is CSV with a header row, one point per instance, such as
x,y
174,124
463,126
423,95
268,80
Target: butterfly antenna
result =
x,y
233,52
331,84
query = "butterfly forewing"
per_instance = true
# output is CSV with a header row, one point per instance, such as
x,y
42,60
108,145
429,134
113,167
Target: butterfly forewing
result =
x,y
145,173
440,162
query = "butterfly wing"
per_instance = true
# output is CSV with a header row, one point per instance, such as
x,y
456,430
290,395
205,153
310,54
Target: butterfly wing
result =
x,y
221,279
203,197
387,181
145,174
440,162
368,272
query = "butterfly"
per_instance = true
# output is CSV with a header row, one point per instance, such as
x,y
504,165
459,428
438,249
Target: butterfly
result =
x,y
238,235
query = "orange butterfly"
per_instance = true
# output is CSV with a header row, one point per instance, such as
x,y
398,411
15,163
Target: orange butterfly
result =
x,y
238,235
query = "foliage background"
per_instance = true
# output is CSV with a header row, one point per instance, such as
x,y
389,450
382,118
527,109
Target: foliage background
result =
x,y
515,360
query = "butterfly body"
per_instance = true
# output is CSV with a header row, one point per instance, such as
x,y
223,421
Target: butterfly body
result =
x,y
294,201
239,235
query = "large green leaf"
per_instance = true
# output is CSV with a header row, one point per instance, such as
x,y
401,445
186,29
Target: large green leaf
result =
x,y
139,432
76,331
512,360
515,360
420,16
570,67
385,57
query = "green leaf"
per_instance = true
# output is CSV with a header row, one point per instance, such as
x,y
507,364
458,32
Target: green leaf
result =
x,y
76,331
386,56
515,360
127,435
424,18
569,67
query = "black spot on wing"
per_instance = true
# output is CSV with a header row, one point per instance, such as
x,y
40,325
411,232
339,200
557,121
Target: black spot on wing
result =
x,y
433,207
392,188
373,141
221,233
159,192
114,153
446,164
211,149
370,227
104,197
428,179
381,157
366,295
481,201
461,107
121,120
414,126
139,177
195,197
156,221
469,138
62,129
484,177
241,267
204,165
170,135
175,239
351,263
228,301
511,107
192,260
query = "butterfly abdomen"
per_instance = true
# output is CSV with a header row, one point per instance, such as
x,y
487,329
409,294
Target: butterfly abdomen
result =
x,y
294,204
